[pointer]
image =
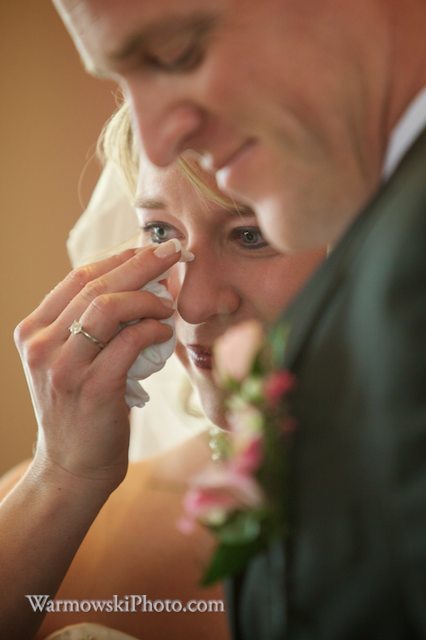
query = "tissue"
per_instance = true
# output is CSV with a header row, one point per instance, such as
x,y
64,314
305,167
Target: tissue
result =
x,y
151,359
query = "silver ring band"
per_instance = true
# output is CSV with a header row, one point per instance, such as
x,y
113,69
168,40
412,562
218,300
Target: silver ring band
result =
x,y
77,328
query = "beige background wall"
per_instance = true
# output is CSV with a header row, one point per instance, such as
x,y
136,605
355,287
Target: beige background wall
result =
x,y
50,115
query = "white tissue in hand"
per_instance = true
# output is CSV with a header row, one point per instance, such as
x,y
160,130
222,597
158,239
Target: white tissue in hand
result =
x,y
136,396
151,359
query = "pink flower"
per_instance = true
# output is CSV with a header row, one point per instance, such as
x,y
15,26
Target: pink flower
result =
x,y
277,385
235,350
217,491
249,459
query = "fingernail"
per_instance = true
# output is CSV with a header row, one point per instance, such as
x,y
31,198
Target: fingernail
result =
x,y
187,256
168,248
168,303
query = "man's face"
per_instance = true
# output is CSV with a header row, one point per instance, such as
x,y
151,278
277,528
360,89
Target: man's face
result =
x,y
271,93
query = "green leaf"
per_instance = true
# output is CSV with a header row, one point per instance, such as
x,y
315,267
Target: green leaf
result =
x,y
252,389
231,385
242,528
229,559
278,338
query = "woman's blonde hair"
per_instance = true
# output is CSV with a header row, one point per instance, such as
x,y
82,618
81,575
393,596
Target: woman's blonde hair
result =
x,y
117,144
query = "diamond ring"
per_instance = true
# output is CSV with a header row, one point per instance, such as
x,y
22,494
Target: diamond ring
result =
x,y
77,328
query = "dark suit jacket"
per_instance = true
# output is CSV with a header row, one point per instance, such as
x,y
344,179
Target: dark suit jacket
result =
x,y
356,556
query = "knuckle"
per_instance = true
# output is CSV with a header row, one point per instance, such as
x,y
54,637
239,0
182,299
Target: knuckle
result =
x,y
22,331
81,276
94,289
34,351
58,377
104,303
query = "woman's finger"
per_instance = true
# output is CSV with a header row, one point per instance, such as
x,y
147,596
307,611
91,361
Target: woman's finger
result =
x,y
127,271
56,301
121,352
105,316
134,274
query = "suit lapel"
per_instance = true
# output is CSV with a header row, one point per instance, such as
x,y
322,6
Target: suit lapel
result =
x,y
302,315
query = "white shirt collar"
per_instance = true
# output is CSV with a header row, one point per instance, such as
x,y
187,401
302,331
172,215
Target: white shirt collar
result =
x,y
405,132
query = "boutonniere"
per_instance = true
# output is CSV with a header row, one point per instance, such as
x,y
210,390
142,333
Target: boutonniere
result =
x,y
241,495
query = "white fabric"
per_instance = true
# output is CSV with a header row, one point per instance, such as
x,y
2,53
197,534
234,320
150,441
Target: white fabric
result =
x,y
405,132
109,225
151,359
173,414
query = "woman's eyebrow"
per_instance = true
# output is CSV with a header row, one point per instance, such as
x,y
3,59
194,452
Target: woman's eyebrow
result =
x,y
242,211
148,203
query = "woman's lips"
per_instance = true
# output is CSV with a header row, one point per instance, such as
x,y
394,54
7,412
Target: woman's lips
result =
x,y
201,357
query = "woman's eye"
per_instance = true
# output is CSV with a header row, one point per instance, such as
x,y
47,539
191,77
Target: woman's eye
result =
x,y
249,237
185,61
158,232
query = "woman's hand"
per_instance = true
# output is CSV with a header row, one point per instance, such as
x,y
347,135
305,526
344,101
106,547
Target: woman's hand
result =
x,y
77,387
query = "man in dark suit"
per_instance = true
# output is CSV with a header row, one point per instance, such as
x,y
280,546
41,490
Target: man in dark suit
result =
x,y
356,554
312,112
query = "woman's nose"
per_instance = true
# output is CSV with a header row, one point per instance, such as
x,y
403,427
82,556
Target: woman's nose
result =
x,y
165,125
205,291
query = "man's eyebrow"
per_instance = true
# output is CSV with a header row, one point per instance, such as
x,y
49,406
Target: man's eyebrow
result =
x,y
148,203
198,23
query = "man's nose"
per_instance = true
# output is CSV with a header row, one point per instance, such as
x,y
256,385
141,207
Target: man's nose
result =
x,y
205,291
165,125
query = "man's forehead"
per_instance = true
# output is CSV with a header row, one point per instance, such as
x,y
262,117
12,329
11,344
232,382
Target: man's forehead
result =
x,y
144,11
83,14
